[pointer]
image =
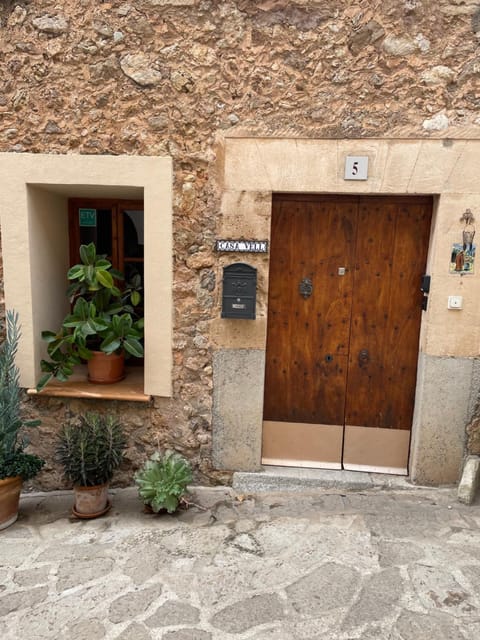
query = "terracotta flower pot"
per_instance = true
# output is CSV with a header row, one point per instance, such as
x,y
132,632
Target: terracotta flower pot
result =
x,y
90,502
10,489
104,368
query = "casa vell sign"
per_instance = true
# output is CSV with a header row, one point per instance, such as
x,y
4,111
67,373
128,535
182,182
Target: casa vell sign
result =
x,y
242,246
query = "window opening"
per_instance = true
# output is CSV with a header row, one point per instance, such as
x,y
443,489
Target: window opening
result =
x,y
116,227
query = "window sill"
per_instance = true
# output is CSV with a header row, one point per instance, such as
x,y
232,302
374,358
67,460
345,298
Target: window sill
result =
x,y
77,386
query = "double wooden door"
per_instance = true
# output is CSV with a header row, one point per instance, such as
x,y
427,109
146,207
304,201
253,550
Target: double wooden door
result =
x,y
344,312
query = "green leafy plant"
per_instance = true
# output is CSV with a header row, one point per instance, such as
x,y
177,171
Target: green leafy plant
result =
x,y
13,459
103,317
163,480
91,451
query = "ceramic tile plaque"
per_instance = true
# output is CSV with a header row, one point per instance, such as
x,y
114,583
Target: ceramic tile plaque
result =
x,y
462,258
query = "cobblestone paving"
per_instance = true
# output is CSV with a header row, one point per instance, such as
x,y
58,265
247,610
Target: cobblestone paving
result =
x,y
387,565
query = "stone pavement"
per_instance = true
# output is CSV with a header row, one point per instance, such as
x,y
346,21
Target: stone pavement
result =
x,y
387,565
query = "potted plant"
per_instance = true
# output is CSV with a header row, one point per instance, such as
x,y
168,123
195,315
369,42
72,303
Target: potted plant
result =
x,y
102,326
90,452
162,481
15,464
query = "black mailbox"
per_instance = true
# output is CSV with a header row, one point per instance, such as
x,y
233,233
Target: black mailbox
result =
x,y
239,291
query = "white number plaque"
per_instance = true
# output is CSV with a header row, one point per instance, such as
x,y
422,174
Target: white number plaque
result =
x,y
356,168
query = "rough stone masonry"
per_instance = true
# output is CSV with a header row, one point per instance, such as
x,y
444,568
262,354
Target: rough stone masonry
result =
x,y
156,77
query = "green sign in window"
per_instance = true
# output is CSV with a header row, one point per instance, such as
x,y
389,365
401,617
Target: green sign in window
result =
x,y
88,217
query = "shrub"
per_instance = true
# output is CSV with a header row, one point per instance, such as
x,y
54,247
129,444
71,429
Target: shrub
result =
x,y
91,451
13,459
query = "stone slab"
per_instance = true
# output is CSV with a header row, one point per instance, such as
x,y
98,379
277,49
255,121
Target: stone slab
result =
x,y
237,408
301,479
470,480
444,390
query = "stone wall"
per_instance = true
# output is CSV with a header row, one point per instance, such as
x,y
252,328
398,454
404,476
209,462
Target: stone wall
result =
x,y
175,77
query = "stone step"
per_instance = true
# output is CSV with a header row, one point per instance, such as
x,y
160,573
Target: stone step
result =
x,y
300,479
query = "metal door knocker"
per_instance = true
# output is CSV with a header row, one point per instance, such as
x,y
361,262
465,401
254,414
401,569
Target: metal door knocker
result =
x,y
306,288
363,358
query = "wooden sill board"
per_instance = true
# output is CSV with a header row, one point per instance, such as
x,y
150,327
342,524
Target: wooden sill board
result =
x,y
130,388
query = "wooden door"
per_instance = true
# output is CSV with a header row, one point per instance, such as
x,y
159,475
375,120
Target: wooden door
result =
x,y
343,327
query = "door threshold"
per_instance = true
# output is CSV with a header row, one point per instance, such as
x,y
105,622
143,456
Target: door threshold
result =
x,y
272,478
306,464
395,471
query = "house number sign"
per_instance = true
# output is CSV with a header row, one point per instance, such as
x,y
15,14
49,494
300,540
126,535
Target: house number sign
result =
x,y
356,168
242,246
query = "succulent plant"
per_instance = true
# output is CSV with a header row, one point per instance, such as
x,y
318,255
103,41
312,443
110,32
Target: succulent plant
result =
x,y
163,480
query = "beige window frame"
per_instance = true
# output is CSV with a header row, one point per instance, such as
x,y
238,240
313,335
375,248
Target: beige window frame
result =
x,y
34,193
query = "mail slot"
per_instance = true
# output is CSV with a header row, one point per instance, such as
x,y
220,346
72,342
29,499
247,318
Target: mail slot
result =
x,y
239,291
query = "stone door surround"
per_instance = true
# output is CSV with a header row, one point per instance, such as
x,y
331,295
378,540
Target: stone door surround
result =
x,y
253,169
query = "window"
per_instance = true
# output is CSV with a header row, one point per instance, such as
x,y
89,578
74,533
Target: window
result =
x,y
36,242
114,226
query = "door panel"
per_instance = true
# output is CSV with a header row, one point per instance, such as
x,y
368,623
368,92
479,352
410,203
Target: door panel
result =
x,y
372,270
346,354
386,314
376,450
392,241
302,445
308,337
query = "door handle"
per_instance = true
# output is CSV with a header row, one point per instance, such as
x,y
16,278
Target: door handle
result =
x,y
363,357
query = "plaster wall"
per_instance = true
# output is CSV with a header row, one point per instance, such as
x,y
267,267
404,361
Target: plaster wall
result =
x,y
49,261
443,168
